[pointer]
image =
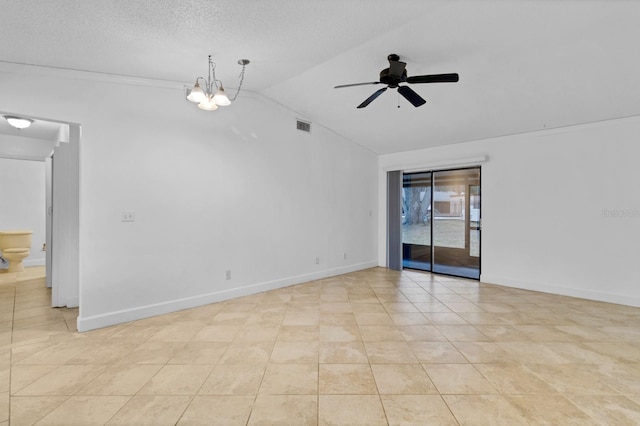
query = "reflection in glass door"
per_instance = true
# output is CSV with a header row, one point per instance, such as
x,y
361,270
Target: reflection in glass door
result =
x,y
441,222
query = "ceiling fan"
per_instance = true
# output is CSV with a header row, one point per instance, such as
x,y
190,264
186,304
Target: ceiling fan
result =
x,y
396,74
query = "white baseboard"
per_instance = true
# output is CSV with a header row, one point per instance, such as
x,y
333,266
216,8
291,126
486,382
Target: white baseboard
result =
x,y
119,317
600,296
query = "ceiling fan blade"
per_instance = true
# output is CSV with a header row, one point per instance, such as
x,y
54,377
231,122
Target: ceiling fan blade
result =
x,y
372,97
396,68
356,84
434,78
410,95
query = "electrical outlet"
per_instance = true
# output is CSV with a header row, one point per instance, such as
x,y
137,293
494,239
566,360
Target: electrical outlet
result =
x,y
229,274
317,260
127,216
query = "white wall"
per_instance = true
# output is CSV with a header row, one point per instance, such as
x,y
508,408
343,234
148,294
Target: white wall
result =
x,y
546,203
22,202
238,189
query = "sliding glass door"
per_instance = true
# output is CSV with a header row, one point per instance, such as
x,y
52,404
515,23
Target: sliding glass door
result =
x,y
441,222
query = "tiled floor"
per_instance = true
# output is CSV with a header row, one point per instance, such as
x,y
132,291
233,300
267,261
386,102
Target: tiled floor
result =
x,y
372,347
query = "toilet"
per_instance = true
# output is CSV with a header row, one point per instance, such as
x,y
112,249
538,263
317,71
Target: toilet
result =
x,y
15,247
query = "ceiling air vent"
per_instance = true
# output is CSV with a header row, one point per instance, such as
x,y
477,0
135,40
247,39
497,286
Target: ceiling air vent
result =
x,y
305,126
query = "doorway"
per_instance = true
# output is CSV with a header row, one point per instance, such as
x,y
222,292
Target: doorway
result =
x,y
441,221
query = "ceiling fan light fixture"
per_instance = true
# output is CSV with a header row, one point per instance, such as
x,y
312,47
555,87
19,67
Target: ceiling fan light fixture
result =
x,y
18,122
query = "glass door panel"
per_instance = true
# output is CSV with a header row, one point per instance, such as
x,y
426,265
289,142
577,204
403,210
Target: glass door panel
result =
x,y
416,221
456,222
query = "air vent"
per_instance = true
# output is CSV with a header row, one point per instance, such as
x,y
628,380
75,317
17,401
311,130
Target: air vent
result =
x,y
305,126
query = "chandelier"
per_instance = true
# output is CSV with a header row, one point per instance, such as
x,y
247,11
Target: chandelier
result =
x,y
210,95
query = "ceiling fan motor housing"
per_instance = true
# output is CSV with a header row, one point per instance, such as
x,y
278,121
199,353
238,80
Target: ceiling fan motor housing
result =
x,y
392,80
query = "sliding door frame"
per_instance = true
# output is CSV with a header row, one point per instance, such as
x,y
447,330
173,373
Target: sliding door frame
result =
x,y
467,212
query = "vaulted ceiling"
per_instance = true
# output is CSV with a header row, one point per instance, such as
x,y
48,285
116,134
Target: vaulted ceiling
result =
x,y
523,65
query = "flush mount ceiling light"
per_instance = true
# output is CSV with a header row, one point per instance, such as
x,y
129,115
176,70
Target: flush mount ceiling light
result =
x,y
210,95
18,122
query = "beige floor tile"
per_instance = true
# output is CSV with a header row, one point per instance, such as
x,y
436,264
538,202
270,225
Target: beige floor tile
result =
x,y
295,352
339,333
199,353
135,333
437,353
294,410
120,380
152,353
417,410
23,375
503,333
389,352
330,318
363,410
421,333
265,319
290,379
258,333
624,378
151,411
27,410
550,410
84,411
301,318
64,380
182,331
230,318
299,333
223,410
177,380
572,379
341,307
458,379
4,406
346,379
56,354
483,352
102,353
514,379
537,357
462,333
407,379
342,353
489,410
248,353
367,318
234,379
409,319
532,353
217,333
380,333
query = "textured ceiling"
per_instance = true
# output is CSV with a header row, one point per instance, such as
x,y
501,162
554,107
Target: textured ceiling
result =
x,y
523,65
